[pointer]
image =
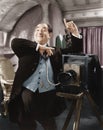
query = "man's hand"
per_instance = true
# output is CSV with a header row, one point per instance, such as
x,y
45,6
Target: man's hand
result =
x,y
48,50
71,26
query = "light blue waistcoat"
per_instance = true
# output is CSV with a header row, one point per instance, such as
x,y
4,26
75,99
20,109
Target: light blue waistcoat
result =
x,y
39,78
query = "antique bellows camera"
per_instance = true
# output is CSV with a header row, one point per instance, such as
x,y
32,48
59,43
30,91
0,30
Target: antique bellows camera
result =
x,y
75,71
81,72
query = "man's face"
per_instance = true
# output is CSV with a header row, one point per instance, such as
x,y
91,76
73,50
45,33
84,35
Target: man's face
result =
x,y
41,34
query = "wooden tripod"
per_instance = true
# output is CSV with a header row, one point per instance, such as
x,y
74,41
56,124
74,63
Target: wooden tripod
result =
x,y
76,105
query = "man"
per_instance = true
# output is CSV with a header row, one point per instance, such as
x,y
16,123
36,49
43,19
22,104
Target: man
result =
x,y
63,41
33,97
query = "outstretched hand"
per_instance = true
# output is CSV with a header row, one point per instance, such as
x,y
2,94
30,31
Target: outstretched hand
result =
x,y
48,50
71,27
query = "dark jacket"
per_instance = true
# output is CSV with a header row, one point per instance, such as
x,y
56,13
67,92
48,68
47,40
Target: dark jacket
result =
x,y
28,62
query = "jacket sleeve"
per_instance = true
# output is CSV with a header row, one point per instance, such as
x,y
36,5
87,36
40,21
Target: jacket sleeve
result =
x,y
75,47
23,47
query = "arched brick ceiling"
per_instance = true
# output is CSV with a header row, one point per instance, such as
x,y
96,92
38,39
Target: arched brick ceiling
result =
x,y
12,10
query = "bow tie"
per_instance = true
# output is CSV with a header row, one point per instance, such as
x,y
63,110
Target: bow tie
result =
x,y
44,56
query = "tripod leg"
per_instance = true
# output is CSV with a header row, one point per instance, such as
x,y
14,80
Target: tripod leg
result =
x,y
69,115
77,114
94,107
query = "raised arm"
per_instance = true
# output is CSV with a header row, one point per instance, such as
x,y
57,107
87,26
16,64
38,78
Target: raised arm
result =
x,y
72,28
76,38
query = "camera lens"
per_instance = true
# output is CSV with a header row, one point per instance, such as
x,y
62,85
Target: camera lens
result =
x,y
68,77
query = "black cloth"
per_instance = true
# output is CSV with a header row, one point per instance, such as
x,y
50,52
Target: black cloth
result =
x,y
95,79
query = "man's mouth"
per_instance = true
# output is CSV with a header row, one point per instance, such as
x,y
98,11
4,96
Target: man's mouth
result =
x,y
40,36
